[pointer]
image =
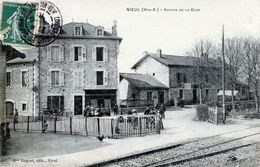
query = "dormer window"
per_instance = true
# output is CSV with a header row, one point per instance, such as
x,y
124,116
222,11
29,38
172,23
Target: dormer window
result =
x,y
77,30
100,31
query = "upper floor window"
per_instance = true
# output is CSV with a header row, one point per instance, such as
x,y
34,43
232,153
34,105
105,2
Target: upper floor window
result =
x,y
78,30
8,78
78,77
100,32
100,77
55,78
77,53
149,95
100,53
24,78
55,53
181,78
24,106
207,94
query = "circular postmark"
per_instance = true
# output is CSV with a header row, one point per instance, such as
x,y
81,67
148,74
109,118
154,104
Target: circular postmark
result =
x,y
40,23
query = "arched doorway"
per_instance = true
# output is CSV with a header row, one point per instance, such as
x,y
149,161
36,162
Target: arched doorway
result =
x,y
9,109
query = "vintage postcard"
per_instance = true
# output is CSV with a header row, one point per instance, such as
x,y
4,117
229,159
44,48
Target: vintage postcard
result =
x,y
124,83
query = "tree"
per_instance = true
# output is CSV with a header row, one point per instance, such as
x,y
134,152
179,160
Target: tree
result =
x,y
233,58
204,64
251,66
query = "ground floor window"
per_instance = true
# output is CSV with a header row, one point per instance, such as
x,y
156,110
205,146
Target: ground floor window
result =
x,y
55,103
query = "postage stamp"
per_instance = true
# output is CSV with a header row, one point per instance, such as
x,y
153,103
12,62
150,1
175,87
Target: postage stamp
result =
x,y
36,24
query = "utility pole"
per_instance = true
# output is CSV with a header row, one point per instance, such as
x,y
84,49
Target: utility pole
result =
x,y
223,76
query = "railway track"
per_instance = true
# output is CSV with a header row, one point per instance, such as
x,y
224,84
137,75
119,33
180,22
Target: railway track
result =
x,y
183,152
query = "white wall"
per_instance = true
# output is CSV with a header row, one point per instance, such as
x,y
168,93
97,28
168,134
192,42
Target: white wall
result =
x,y
123,89
150,66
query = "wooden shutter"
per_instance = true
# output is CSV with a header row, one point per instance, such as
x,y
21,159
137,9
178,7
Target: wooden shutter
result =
x,y
72,53
28,77
61,56
62,78
105,77
11,78
80,79
94,54
48,53
84,53
74,77
105,54
95,78
49,78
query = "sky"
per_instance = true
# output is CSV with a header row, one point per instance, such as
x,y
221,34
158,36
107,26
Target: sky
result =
x,y
175,32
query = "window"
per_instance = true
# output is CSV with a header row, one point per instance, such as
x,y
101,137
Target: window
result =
x,y
8,79
77,31
77,78
207,78
24,78
180,93
55,103
99,32
55,53
100,75
24,107
55,76
153,74
77,53
207,93
149,95
100,53
181,78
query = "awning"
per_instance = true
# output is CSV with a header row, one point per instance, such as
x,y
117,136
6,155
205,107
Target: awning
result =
x,y
227,93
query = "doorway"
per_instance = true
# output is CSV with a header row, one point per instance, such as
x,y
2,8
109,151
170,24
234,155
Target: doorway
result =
x,y
194,99
9,109
161,97
78,106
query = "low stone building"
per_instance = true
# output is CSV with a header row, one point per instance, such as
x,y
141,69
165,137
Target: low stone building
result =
x,y
6,53
139,90
177,73
22,83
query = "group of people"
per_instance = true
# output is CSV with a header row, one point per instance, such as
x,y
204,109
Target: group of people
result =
x,y
91,111
160,109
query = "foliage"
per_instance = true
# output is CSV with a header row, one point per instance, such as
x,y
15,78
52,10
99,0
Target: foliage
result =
x,y
202,112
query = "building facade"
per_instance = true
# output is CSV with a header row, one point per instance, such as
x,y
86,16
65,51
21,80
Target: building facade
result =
x,y
177,73
79,68
21,84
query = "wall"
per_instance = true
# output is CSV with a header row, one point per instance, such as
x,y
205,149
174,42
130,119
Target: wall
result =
x,y
150,66
2,83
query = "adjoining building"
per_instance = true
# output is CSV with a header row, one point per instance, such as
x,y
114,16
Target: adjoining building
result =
x,y
22,83
138,90
6,53
177,73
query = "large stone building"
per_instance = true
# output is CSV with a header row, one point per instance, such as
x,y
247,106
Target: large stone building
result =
x,y
177,73
79,68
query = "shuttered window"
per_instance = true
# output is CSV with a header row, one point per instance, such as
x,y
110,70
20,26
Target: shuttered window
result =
x,y
8,78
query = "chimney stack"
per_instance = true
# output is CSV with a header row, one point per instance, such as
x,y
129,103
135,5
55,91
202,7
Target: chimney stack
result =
x,y
145,53
159,52
114,28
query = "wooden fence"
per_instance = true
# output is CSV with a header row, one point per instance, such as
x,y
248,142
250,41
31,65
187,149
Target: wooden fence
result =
x,y
215,115
113,127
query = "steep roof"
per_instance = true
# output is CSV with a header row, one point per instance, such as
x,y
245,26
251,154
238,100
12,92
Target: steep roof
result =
x,y
30,56
143,81
88,30
174,60
11,53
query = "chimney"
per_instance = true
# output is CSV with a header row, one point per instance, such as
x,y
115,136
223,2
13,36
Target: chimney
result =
x,y
114,28
145,53
159,52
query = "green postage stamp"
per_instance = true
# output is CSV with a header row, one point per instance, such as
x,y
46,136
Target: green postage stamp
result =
x,y
34,23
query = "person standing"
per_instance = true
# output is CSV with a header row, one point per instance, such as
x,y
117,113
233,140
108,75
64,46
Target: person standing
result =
x,y
115,109
162,111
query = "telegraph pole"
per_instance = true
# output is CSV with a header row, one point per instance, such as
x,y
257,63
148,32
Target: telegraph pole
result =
x,y
223,76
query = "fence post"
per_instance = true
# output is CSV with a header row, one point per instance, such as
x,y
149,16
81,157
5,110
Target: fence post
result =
x,y
71,125
112,128
159,124
14,122
216,115
140,125
28,120
55,121
86,125
42,123
98,124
